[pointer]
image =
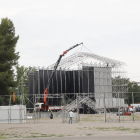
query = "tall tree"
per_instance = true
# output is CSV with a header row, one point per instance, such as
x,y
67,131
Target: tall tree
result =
x,y
22,78
135,89
8,56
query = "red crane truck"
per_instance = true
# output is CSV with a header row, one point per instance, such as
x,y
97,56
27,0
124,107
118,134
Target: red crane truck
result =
x,y
44,106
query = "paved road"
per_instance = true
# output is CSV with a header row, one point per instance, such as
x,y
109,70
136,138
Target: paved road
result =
x,y
116,137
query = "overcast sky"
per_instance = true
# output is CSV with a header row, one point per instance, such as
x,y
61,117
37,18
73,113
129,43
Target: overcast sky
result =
x,y
110,28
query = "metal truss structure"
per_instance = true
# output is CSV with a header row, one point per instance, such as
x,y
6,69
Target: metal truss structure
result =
x,y
110,78
80,57
108,72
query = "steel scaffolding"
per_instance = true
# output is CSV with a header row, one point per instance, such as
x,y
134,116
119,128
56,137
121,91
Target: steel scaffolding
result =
x,y
90,73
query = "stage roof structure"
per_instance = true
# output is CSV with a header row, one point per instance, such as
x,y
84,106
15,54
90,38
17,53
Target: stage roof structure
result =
x,y
79,58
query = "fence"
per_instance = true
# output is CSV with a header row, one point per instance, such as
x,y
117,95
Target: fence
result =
x,y
111,109
125,111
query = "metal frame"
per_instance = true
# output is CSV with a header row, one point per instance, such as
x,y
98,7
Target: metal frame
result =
x,y
109,73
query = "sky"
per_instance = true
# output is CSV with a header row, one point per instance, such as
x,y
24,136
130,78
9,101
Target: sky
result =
x,y
46,28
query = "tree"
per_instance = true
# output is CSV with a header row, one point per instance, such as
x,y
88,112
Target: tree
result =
x,y
22,78
135,89
8,56
126,88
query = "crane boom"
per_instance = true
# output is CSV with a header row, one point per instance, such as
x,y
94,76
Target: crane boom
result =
x,y
55,67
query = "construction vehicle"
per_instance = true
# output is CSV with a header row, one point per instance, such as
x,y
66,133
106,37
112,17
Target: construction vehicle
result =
x,y
45,107
124,111
39,107
132,109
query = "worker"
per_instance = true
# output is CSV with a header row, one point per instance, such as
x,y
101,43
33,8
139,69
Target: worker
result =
x,y
70,116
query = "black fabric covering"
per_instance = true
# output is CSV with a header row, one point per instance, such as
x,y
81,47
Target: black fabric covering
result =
x,y
76,82
59,81
64,81
81,81
91,80
49,72
41,81
36,81
45,79
68,82
54,84
85,80
32,76
71,87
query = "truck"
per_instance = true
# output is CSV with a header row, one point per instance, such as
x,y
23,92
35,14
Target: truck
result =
x,y
135,105
44,106
132,109
39,107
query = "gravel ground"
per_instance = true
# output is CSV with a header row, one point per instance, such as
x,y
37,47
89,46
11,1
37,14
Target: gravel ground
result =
x,y
89,125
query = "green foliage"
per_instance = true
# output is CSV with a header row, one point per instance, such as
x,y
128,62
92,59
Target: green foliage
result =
x,y
133,87
130,87
4,100
8,56
21,78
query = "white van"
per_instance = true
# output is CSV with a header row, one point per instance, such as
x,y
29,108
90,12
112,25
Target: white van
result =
x,y
132,108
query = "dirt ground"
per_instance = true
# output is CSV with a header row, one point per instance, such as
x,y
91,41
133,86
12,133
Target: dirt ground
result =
x,y
88,125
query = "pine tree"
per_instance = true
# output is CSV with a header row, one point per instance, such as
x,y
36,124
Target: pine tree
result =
x,y
8,56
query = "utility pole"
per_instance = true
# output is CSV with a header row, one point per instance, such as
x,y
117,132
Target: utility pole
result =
x,y
22,91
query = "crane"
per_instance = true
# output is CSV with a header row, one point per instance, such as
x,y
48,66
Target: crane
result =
x,y
55,68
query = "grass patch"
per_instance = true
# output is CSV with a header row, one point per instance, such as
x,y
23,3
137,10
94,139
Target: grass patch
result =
x,y
60,136
87,119
103,128
97,116
122,129
16,136
46,135
113,128
79,128
70,135
136,116
89,134
3,138
90,119
32,136
136,130
34,133
51,135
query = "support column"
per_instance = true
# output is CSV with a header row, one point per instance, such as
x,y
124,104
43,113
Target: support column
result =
x,y
38,99
133,106
104,108
119,106
77,100
43,81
